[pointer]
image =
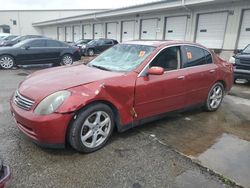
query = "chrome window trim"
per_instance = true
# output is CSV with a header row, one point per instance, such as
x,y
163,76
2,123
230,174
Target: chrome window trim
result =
x,y
174,45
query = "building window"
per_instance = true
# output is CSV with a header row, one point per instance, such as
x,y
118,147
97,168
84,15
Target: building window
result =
x,y
14,22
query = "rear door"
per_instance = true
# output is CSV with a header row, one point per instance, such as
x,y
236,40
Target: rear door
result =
x,y
34,52
54,50
202,73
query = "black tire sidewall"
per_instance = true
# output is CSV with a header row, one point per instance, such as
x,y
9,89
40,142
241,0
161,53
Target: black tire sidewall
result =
x,y
207,106
8,57
74,133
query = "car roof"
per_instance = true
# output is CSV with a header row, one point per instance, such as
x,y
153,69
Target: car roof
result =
x,y
158,43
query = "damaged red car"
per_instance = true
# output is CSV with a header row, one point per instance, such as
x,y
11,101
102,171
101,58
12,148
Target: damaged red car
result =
x,y
127,85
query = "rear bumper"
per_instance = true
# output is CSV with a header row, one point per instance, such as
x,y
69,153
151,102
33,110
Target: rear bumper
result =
x,y
4,176
47,131
240,73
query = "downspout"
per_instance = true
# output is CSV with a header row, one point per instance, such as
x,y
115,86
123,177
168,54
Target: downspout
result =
x,y
183,3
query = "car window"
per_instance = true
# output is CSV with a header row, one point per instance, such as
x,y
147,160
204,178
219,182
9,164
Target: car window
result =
x,y
108,42
37,43
208,56
53,43
122,57
195,56
169,59
100,42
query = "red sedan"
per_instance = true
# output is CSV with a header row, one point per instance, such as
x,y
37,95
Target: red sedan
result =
x,y
125,86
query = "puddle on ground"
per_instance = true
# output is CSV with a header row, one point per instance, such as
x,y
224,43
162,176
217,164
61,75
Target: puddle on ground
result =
x,y
22,74
218,140
229,156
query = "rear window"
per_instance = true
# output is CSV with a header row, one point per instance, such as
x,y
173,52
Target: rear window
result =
x,y
196,56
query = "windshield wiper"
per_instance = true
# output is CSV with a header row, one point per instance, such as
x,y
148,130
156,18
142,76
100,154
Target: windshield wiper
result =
x,y
100,67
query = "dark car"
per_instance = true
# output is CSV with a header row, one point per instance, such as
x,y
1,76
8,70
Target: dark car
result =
x,y
4,40
81,42
127,85
21,38
38,51
241,63
97,46
4,174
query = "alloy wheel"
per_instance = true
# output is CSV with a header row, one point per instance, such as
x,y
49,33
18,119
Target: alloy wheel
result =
x,y
6,62
67,60
95,129
216,97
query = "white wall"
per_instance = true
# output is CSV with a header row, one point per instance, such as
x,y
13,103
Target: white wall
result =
x,y
26,18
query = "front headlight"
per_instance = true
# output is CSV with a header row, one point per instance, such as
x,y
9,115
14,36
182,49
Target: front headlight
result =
x,y
232,60
83,46
51,103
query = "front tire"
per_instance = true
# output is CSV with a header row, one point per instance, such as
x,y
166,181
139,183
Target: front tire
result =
x,y
91,52
67,60
92,128
215,97
6,62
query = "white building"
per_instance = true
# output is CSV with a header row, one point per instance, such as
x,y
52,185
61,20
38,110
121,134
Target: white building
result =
x,y
20,21
223,25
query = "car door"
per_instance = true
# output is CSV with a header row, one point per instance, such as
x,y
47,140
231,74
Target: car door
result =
x,y
54,50
201,73
33,52
156,94
99,46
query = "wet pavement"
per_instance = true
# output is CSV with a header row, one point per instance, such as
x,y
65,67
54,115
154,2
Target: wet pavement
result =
x,y
173,152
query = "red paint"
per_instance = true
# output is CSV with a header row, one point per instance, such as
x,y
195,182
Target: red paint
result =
x,y
149,95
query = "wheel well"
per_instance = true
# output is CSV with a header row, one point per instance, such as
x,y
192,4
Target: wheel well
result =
x,y
8,55
223,83
114,109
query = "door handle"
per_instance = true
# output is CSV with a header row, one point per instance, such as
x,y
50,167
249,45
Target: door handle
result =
x,y
180,77
212,71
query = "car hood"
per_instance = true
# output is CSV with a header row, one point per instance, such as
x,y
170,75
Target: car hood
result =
x,y
43,83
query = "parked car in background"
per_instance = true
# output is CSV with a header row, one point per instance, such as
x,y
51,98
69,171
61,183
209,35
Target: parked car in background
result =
x,y
4,40
97,46
241,62
81,42
2,35
21,38
126,85
4,174
38,51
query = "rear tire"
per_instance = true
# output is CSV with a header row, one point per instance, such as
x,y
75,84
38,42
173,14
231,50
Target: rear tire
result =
x,y
91,52
92,128
67,59
7,62
215,97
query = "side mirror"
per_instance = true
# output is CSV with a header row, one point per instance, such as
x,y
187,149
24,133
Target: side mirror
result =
x,y
26,47
156,71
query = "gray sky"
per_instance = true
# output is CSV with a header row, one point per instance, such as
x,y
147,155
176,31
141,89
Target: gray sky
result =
x,y
67,4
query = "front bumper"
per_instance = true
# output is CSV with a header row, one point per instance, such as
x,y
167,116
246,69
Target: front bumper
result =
x,y
242,74
49,131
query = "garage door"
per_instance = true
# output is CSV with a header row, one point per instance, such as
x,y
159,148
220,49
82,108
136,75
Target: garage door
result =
x,y
87,31
149,29
68,34
77,32
60,32
244,38
211,29
176,28
111,31
98,31
128,30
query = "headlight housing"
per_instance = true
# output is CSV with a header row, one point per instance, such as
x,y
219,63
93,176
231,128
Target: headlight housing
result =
x,y
83,46
232,60
52,102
